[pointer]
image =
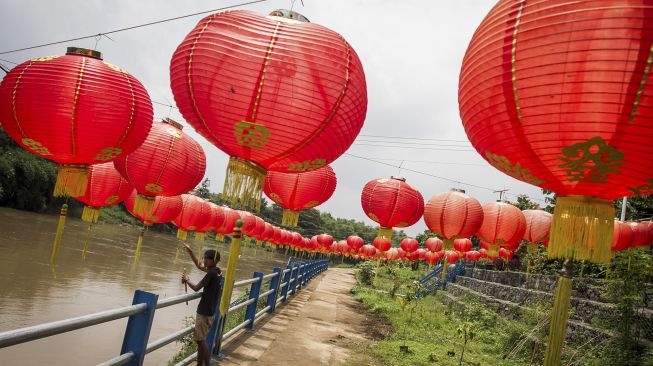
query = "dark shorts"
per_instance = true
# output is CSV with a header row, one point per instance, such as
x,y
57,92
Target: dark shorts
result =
x,y
202,325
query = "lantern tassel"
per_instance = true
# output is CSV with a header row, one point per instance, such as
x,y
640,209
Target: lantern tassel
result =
x,y
86,240
289,218
444,270
91,214
559,315
447,244
582,229
143,205
385,231
199,236
182,234
71,180
139,243
219,237
493,250
243,184
59,233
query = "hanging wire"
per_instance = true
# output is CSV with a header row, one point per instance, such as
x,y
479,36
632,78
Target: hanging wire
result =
x,y
134,27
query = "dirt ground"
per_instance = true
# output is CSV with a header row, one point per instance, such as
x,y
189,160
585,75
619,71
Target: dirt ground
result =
x,y
322,325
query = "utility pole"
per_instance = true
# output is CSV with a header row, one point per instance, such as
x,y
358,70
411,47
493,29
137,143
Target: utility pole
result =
x,y
501,192
624,202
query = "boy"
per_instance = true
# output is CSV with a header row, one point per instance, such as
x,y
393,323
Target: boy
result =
x,y
206,308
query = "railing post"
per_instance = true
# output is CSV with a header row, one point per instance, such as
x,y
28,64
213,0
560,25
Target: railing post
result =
x,y
294,284
286,280
217,328
254,291
138,327
274,284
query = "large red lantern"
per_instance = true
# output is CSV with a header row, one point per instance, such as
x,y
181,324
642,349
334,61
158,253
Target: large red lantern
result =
x,y
195,213
105,187
299,191
503,224
168,163
274,92
164,209
453,215
76,110
392,203
557,94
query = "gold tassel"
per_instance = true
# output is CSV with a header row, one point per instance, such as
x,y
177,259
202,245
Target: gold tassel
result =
x,y
182,234
493,250
259,243
143,206
199,236
385,231
447,244
88,237
582,229
139,243
444,269
91,214
219,237
289,218
71,180
59,234
243,184
559,315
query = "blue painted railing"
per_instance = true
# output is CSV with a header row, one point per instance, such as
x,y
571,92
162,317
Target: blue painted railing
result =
x,y
282,284
433,280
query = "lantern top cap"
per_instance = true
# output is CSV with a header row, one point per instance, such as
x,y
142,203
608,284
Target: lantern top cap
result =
x,y
398,178
84,52
458,190
289,14
173,123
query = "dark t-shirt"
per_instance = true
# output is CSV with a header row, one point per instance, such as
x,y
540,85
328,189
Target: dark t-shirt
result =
x,y
211,285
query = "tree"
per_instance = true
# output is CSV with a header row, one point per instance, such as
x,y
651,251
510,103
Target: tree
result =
x,y
637,208
525,203
550,200
203,189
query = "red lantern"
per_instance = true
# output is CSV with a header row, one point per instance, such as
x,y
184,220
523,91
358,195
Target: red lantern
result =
x,y
431,257
402,253
273,93
413,256
433,244
505,254
230,218
409,245
453,215
105,187
355,242
391,203
299,191
325,240
538,226
164,209
503,224
451,256
195,213
216,220
473,255
556,94
382,243
249,222
168,163
421,252
76,110
641,234
462,245
391,254
367,251
623,236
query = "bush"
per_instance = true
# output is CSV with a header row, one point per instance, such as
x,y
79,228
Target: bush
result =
x,y
366,271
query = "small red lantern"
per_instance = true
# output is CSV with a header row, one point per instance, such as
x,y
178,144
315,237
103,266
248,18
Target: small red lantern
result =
x,y
505,253
382,243
453,215
462,245
274,92
367,251
538,226
325,240
230,218
431,257
473,255
409,245
641,234
433,244
392,203
195,213
216,219
105,187
355,242
76,110
164,209
299,191
413,256
451,256
623,236
391,254
169,163
503,224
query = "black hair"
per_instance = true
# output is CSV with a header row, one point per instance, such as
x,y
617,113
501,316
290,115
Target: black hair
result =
x,y
212,254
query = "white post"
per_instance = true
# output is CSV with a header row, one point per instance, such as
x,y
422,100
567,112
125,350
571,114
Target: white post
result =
x,y
623,208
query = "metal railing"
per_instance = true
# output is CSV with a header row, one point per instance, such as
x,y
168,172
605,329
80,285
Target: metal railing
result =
x,y
282,284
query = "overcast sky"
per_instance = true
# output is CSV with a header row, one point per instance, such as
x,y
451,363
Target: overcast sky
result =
x,y
411,52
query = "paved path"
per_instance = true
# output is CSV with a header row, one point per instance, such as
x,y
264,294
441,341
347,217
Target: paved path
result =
x,y
315,327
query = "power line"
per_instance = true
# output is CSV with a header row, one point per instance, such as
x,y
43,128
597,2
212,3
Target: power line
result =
x,y
410,143
414,148
133,27
11,62
412,138
432,162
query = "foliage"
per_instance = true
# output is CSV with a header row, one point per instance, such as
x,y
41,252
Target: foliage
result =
x,y
524,203
366,270
188,345
637,208
550,200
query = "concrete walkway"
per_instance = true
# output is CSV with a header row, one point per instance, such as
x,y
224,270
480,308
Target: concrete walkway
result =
x,y
315,327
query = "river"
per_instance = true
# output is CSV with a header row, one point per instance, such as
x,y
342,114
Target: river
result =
x,y
32,293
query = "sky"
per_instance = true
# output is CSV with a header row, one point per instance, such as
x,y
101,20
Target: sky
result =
x,y
411,52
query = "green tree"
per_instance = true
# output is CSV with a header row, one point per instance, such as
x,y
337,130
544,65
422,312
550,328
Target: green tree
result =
x,y
203,189
525,203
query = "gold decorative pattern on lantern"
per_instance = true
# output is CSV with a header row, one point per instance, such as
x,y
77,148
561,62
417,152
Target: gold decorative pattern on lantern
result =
x,y
153,188
402,224
312,204
373,216
591,161
114,67
46,58
643,190
250,134
516,171
307,165
36,146
108,153
513,60
111,200
642,84
275,197
174,133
